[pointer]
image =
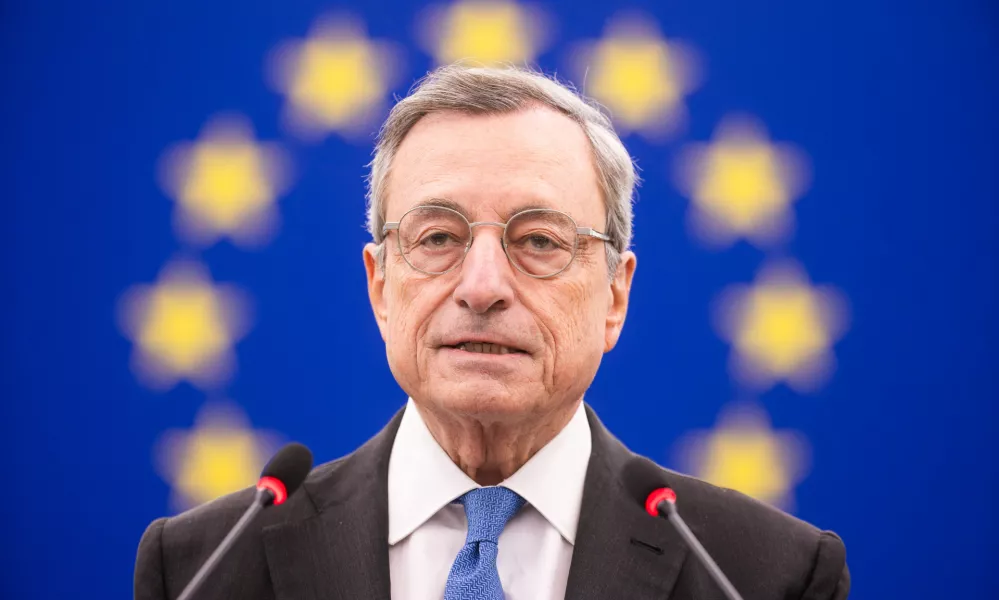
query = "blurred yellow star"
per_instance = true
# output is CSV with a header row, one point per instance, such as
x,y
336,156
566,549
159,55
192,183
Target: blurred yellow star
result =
x,y
741,184
335,80
220,455
744,453
781,328
226,183
183,327
639,76
484,32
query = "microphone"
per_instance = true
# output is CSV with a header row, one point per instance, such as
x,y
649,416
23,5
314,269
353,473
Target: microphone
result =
x,y
646,481
282,476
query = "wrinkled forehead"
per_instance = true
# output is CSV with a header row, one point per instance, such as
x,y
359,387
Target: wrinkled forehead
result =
x,y
490,167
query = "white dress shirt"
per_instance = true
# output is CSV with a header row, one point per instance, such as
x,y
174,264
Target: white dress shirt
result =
x,y
426,531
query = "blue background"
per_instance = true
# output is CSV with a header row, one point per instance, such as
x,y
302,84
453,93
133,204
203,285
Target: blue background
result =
x,y
893,101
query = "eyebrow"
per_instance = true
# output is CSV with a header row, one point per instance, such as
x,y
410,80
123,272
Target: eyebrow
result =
x,y
444,203
448,203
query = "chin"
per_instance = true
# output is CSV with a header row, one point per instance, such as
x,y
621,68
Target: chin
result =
x,y
485,397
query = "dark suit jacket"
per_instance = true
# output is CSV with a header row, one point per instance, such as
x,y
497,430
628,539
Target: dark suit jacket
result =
x,y
329,541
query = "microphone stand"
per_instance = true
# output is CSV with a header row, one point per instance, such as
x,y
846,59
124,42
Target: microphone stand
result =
x,y
263,498
673,516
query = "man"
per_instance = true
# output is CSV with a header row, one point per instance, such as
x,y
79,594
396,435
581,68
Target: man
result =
x,y
499,274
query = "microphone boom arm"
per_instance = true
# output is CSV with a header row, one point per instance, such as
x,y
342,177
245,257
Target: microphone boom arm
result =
x,y
673,516
263,498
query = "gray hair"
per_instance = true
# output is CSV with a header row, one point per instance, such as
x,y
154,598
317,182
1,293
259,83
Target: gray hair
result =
x,y
477,90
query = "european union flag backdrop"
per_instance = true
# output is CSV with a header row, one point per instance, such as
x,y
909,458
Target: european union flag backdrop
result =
x,y
813,315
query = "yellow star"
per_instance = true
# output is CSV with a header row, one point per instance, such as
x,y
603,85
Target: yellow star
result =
x,y
485,32
743,453
781,328
183,327
335,80
225,184
741,184
639,76
220,455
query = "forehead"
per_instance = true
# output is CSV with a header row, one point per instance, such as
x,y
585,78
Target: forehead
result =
x,y
491,166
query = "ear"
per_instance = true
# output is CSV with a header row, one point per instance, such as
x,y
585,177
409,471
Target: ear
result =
x,y
376,285
617,306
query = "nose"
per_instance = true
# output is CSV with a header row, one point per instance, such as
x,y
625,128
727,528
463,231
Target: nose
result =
x,y
485,278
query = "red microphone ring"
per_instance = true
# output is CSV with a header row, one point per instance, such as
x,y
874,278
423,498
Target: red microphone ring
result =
x,y
275,486
657,496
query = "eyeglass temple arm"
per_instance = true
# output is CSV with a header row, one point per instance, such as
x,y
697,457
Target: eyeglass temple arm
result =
x,y
592,233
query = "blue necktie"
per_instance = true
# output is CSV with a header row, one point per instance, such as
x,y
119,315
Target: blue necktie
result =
x,y
473,575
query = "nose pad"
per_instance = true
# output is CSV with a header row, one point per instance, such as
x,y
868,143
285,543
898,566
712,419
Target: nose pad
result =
x,y
487,248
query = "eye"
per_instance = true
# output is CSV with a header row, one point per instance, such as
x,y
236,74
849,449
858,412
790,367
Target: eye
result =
x,y
436,239
439,239
541,242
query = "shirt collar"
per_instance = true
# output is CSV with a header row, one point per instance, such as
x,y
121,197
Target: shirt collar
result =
x,y
422,479
552,480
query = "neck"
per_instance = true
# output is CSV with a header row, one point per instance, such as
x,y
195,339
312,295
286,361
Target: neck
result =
x,y
490,450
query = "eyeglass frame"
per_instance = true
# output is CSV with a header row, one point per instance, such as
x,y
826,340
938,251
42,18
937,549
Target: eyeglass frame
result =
x,y
587,231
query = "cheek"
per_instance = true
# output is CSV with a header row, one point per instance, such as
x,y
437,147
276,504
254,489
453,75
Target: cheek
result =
x,y
575,320
411,303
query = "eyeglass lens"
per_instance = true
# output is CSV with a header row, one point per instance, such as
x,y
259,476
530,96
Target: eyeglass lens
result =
x,y
539,242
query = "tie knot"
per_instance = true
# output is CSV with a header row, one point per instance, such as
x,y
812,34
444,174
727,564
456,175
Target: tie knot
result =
x,y
488,509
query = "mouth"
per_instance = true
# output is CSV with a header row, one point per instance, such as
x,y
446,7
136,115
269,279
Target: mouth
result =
x,y
485,348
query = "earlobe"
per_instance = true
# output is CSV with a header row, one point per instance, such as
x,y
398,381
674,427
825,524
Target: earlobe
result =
x,y
376,285
617,309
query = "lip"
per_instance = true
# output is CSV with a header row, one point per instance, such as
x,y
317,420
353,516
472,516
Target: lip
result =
x,y
460,352
451,341
463,359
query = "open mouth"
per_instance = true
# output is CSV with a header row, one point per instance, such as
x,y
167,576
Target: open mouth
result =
x,y
486,348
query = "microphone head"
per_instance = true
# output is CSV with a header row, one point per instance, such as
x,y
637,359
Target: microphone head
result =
x,y
286,471
646,482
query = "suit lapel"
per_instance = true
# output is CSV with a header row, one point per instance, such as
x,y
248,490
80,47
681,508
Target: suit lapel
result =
x,y
620,551
340,550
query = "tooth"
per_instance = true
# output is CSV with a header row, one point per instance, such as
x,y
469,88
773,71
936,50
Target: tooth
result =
x,y
485,348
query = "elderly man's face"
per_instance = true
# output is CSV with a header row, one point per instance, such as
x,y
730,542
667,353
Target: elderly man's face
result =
x,y
492,167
